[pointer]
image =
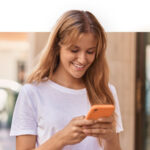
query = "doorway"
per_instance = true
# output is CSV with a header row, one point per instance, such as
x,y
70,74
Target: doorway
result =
x,y
142,126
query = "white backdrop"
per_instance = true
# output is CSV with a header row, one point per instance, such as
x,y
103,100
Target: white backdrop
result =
x,y
41,15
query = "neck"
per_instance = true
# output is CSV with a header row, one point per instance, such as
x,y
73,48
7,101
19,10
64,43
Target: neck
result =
x,y
67,80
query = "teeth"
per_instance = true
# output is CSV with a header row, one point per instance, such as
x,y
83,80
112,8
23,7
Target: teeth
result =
x,y
78,66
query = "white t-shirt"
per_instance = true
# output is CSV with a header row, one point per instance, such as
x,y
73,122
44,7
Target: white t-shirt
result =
x,y
45,108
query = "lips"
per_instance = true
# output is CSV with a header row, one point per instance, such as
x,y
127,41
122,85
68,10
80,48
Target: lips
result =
x,y
78,67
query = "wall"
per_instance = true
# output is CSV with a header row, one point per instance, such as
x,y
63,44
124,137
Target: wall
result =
x,y
121,54
10,53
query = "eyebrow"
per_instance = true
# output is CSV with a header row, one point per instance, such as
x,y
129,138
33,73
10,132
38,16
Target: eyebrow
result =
x,y
79,47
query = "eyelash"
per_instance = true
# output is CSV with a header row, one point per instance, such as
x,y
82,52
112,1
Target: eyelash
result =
x,y
75,51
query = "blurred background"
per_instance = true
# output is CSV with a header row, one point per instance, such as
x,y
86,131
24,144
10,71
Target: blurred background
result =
x,y
128,55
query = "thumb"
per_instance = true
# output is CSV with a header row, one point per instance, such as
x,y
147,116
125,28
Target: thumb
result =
x,y
80,117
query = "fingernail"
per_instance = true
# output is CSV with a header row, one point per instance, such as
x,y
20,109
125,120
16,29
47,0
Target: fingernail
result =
x,y
95,121
84,130
84,126
100,119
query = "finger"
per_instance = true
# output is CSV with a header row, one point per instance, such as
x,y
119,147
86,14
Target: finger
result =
x,y
99,126
105,119
83,122
94,135
83,135
79,117
77,129
79,134
98,131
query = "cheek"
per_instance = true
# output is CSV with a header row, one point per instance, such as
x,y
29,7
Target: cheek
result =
x,y
91,59
66,58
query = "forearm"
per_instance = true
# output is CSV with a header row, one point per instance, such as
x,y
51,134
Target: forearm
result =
x,y
112,143
54,143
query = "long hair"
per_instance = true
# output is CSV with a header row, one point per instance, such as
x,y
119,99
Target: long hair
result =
x,y
67,30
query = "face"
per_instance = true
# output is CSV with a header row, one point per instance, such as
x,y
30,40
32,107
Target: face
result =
x,y
77,58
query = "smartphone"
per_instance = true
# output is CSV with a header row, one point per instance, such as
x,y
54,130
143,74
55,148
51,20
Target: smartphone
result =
x,y
98,111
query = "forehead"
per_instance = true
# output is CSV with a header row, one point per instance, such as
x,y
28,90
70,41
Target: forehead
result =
x,y
84,39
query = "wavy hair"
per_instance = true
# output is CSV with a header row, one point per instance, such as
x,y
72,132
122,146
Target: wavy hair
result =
x,y
67,30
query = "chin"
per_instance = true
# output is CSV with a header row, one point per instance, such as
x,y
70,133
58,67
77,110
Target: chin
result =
x,y
78,76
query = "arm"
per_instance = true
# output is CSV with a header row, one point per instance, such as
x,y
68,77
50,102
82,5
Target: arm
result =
x,y
27,142
70,135
112,143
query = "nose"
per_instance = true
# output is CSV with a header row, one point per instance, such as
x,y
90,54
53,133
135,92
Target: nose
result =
x,y
82,58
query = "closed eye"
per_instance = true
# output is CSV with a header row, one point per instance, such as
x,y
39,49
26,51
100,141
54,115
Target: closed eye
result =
x,y
90,52
74,50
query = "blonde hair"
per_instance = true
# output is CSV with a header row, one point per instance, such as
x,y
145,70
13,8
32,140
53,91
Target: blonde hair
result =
x,y
68,28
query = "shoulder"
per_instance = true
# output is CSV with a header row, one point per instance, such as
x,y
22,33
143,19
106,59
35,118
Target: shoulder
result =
x,y
35,85
30,88
112,88
114,93
27,88
30,93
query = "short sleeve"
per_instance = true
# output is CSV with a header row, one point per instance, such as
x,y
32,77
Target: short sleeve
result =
x,y
24,119
119,126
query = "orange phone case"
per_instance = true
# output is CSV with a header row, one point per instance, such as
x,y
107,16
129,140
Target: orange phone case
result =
x,y
98,111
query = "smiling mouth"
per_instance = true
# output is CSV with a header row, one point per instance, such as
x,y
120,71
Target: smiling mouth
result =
x,y
79,67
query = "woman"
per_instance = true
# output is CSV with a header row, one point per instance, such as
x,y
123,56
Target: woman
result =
x,y
72,75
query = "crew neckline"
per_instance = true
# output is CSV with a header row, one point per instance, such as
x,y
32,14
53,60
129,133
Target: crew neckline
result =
x,y
66,89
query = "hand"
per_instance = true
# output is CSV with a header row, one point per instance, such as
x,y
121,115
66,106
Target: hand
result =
x,y
73,132
103,128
